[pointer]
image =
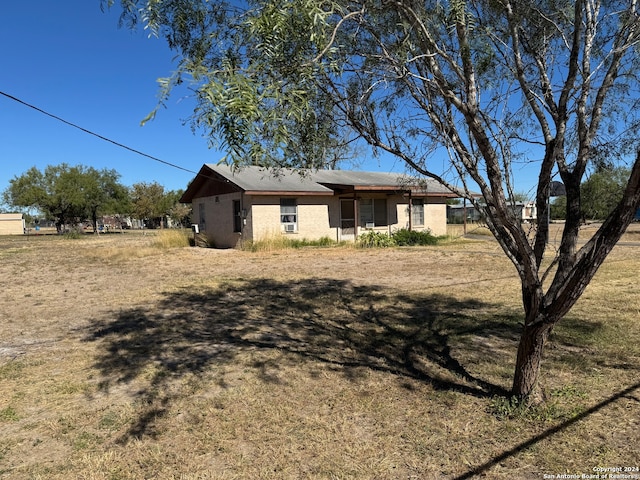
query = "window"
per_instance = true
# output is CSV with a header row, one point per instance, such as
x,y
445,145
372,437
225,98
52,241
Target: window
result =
x,y
237,216
289,214
417,212
201,218
373,212
366,211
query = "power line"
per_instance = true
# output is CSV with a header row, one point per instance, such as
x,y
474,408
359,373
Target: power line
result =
x,y
155,159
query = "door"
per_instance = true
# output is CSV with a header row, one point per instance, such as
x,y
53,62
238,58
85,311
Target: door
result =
x,y
347,219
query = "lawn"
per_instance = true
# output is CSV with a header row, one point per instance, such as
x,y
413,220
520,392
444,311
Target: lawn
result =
x,y
124,358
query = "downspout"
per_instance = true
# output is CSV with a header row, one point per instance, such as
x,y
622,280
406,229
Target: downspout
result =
x,y
243,218
410,211
464,214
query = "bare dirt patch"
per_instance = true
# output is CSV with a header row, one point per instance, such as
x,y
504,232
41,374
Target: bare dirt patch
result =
x,y
120,360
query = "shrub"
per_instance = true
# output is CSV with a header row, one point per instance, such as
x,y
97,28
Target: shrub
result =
x,y
404,237
72,235
325,242
281,242
372,239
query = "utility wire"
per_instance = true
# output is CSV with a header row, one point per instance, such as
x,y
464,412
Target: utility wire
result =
x,y
155,159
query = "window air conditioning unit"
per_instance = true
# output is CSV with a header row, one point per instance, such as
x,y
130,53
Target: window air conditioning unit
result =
x,y
369,225
290,227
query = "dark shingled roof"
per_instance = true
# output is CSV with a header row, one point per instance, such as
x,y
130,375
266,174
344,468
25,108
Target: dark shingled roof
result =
x,y
263,181
379,179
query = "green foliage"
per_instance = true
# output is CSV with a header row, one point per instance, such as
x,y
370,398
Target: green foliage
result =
x,y
67,194
103,194
373,239
179,212
406,237
602,191
9,414
564,403
283,242
149,202
507,407
245,62
321,242
512,408
569,392
559,208
400,238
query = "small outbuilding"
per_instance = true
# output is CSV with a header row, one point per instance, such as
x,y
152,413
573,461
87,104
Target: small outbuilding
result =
x,y
11,224
253,203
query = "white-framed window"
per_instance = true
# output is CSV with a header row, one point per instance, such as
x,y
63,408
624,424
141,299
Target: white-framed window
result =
x,y
289,215
417,212
373,212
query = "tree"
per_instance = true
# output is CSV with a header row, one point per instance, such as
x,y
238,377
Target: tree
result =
x,y
149,203
68,195
558,208
493,85
180,213
103,194
602,191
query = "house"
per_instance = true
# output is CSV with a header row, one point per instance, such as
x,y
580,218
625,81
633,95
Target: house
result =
x,y
11,224
526,211
252,203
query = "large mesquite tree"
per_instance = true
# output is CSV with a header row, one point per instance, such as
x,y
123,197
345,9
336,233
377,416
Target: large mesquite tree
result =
x,y
490,85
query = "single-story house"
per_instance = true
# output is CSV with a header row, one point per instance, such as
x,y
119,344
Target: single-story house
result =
x,y
11,224
252,203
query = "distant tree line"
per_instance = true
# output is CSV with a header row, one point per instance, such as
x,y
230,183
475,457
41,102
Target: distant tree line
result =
x,y
73,195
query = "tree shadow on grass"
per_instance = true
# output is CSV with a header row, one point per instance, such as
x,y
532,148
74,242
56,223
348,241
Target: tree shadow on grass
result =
x,y
485,467
422,338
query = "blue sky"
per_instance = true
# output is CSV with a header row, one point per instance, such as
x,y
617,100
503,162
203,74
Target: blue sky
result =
x,y
71,60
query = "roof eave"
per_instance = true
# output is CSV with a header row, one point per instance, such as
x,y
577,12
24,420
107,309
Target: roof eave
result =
x,y
287,192
205,173
435,194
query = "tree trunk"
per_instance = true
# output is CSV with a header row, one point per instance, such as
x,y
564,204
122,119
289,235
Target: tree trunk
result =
x,y
532,341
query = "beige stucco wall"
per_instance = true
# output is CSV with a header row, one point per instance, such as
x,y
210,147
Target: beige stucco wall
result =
x,y
218,225
435,218
318,216
11,224
402,212
313,217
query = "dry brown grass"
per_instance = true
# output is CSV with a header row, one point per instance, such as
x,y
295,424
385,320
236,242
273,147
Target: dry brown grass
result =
x,y
121,360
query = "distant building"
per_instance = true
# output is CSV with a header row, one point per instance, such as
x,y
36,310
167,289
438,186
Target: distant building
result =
x,y
526,211
11,224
